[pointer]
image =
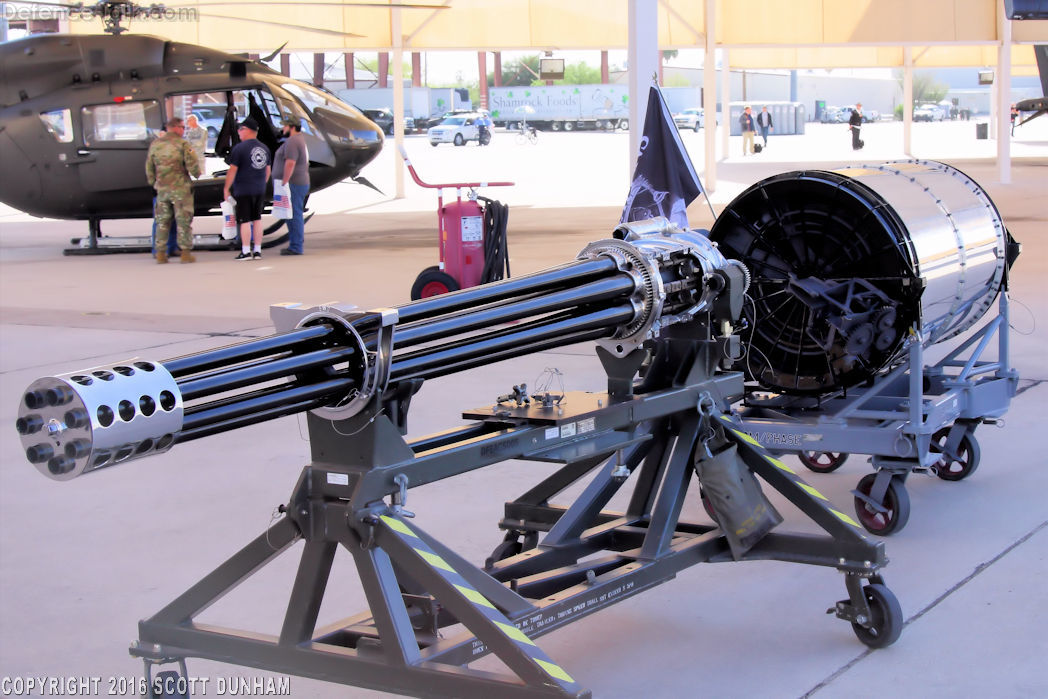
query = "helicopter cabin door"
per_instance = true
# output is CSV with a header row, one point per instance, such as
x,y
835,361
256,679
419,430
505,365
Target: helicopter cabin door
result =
x,y
115,138
208,115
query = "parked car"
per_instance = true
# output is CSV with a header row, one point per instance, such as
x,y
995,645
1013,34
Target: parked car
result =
x,y
458,129
834,115
690,119
210,117
383,118
927,112
869,115
437,120
693,118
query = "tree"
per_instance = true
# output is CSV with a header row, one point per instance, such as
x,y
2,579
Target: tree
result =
x,y
518,72
371,66
925,87
579,73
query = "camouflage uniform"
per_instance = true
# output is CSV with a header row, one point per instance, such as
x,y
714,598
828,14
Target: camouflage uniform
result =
x,y
169,165
198,139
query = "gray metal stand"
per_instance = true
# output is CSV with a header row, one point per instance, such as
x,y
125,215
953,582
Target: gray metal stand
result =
x,y
915,418
418,588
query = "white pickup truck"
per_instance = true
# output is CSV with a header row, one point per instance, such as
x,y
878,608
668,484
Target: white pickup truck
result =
x,y
458,129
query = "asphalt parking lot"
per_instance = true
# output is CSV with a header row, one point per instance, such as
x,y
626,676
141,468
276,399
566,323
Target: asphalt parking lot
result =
x,y
81,562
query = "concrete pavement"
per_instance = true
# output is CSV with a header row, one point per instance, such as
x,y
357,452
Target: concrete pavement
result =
x,y
81,562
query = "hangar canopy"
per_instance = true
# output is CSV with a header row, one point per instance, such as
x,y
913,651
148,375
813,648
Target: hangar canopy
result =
x,y
755,33
759,33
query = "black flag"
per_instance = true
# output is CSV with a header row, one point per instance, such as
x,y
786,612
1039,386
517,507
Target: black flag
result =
x,y
665,181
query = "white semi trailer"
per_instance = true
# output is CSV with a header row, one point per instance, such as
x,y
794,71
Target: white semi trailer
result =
x,y
422,103
561,107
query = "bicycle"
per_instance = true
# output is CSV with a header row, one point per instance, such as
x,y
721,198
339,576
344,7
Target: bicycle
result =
x,y
527,134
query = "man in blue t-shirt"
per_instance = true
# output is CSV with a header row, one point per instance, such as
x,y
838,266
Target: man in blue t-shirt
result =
x,y
484,125
246,181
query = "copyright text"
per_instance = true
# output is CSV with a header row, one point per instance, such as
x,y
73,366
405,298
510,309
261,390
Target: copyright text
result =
x,y
167,685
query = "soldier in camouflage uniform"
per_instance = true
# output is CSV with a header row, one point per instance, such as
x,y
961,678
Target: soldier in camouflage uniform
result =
x,y
170,164
197,137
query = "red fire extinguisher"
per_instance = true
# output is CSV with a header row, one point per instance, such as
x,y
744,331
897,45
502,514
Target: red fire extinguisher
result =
x,y
472,239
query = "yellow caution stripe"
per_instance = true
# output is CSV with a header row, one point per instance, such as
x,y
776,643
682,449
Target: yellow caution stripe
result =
x,y
844,518
555,671
490,613
778,464
434,560
515,634
740,434
474,597
746,438
812,491
398,526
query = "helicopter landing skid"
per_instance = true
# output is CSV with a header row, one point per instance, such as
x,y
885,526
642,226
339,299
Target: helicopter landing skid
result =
x,y
97,244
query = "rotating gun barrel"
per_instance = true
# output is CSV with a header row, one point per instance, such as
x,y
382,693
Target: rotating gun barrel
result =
x,y
336,361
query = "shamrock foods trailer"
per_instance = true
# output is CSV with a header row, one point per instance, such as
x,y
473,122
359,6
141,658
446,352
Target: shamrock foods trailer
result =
x,y
561,107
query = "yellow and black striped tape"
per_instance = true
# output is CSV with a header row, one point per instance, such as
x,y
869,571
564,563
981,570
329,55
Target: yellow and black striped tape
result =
x,y
497,618
786,469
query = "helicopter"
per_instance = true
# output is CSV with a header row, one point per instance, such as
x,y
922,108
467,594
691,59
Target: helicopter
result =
x,y
78,112
1037,105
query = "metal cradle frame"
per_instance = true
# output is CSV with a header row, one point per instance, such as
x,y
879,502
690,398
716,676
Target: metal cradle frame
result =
x,y
911,419
431,613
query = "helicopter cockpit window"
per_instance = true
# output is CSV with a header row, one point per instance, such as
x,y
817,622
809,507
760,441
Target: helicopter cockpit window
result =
x,y
121,124
313,98
272,109
288,106
338,120
59,124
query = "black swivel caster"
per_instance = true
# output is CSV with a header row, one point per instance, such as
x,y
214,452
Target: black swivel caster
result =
x,y
873,610
958,461
884,515
823,461
885,621
515,542
167,684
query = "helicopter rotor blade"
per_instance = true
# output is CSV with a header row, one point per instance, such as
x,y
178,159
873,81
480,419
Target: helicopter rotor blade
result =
x,y
285,25
349,3
66,5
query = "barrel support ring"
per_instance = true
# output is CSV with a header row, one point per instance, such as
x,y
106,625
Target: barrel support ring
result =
x,y
374,367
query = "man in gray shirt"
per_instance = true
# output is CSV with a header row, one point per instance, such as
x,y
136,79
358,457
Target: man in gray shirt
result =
x,y
291,166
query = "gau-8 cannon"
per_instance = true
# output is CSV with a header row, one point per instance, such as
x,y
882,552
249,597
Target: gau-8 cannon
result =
x,y
334,361
662,305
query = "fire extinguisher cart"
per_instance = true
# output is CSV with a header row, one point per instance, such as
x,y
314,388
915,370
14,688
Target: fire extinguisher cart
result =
x,y
472,239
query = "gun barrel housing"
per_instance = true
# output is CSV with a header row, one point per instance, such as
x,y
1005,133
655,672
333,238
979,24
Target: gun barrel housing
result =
x,y
621,292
